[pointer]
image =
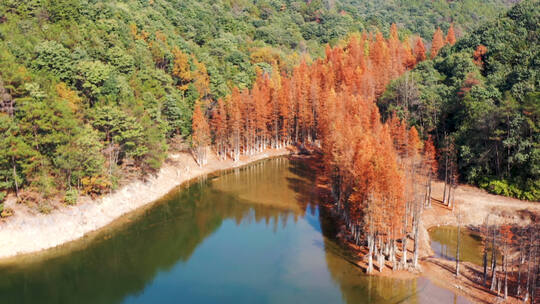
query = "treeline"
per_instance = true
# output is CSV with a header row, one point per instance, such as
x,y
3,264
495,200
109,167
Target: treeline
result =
x,y
480,101
418,16
380,173
95,92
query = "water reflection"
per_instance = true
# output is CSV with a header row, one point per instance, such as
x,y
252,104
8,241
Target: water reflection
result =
x,y
444,244
254,235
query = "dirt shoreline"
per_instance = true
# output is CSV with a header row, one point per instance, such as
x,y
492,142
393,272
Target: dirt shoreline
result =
x,y
27,232
474,205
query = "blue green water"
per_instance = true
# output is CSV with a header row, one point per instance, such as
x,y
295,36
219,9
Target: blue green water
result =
x,y
254,235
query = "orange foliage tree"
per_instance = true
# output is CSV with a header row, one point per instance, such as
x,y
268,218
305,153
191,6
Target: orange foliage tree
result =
x,y
329,104
436,43
200,137
451,35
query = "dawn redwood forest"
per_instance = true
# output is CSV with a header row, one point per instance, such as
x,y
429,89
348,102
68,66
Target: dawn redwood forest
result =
x,y
413,115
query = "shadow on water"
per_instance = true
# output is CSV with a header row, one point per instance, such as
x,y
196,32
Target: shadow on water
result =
x,y
122,262
254,234
444,244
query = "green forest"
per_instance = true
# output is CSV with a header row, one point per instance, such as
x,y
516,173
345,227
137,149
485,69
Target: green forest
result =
x,y
96,92
480,100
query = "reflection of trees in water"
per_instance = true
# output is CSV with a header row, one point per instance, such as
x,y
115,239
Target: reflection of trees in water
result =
x,y
444,244
356,287
122,263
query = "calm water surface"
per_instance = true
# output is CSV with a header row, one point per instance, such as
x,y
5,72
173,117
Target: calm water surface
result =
x,y
444,244
252,235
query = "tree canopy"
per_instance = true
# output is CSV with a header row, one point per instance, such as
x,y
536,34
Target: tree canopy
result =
x,y
483,92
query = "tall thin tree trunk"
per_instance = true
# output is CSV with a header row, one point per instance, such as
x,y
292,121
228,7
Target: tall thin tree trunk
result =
x,y
520,263
458,244
493,262
381,256
528,284
505,276
15,176
404,253
415,254
485,254
445,177
370,254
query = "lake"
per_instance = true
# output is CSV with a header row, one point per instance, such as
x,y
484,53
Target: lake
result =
x,y
249,235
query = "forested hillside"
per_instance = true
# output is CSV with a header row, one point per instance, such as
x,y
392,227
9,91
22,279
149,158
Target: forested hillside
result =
x,y
419,16
95,90
480,100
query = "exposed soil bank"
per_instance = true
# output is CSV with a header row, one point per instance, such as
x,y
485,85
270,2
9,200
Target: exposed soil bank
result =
x,y
27,232
474,205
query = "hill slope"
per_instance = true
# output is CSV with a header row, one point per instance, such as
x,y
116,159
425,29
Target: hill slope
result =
x,y
90,87
482,96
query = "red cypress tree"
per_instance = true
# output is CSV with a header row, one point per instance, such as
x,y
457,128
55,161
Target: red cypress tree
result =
x,y
419,50
219,127
200,136
430,167
437,43
479,54
451,36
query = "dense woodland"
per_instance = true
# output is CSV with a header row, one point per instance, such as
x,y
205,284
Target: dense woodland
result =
x,y
480,102
94,92
375,169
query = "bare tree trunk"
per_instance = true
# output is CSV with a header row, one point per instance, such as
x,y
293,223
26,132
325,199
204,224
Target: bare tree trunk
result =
x,y
493,262
520,264
381,256
445,177
536,273
484,260
498,286
394,261
458,243
485,246
429,190
15,176
404,253
448,197
405,239
370,254
505,263
528,284
415,254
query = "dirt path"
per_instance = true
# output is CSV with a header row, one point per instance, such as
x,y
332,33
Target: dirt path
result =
x,y
474,205
27,231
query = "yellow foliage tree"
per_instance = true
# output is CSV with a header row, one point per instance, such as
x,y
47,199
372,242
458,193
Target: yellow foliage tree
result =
x,y
200,78
181,69
69,96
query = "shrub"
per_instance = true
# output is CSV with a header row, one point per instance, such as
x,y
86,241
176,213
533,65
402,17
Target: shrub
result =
x,y
529,191
44,207
95,185
71,197
6,212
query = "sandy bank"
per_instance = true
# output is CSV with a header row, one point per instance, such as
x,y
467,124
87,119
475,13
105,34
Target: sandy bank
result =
x,y
26,232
